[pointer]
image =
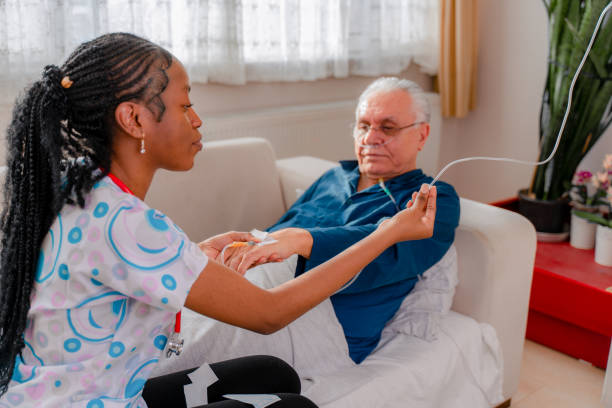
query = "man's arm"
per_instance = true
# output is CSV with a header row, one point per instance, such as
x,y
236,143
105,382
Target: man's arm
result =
x,y
318,244
407,259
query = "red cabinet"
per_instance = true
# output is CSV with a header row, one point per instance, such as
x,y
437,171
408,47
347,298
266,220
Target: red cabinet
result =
x,y
570,309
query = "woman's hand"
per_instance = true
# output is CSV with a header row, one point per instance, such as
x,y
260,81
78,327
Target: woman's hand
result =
x,y
213,246
289,241
417,220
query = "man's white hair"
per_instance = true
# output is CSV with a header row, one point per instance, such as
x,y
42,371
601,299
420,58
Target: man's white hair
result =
x,y
390,84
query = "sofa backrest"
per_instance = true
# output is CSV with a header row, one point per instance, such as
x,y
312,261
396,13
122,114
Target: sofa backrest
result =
x,y
233,185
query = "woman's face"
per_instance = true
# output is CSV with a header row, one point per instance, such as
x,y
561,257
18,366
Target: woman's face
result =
x,y
173,142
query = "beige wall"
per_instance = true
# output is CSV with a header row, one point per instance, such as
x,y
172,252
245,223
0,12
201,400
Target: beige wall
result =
x,y
512,64
214,99
512,71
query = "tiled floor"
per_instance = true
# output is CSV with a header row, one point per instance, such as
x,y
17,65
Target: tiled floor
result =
x,y
552,379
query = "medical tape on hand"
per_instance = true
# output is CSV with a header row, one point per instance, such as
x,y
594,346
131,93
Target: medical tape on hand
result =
x,y
567,110
262,236
196,393
256,400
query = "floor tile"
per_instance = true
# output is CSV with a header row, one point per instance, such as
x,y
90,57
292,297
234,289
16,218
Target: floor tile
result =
x,y
553,379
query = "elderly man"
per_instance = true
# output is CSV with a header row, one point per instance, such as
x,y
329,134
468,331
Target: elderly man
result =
x,y
349,201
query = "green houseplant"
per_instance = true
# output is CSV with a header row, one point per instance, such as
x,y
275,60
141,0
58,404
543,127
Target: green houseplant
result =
x,y
571,24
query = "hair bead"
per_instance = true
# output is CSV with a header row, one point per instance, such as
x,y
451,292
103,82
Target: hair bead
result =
x,y
66,82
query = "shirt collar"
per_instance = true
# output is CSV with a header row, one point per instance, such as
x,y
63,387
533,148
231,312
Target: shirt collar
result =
x,y
351,168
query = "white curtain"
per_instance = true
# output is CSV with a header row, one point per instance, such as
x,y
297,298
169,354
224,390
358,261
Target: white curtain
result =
x,y
231,41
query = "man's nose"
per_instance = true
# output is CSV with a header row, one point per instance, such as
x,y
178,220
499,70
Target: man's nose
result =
x,y
373,136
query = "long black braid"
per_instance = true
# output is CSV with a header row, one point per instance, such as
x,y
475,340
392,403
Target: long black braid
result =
x,y
58,139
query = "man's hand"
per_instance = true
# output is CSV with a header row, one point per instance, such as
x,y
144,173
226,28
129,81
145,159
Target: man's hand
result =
x,y
417,220
213,246
289,241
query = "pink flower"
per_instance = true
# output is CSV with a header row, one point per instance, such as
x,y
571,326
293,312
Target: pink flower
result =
x,y
595,182
608,162
582,176
602,177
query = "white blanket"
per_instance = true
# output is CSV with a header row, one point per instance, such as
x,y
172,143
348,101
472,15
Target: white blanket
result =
x,y
454,361
461,368
312,344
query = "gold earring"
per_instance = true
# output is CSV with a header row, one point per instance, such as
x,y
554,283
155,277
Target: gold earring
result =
x,y
142,146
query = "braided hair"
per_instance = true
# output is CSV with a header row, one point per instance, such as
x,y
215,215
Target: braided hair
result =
x,y
58,140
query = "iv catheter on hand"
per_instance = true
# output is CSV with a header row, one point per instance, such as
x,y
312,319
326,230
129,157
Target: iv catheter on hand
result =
x,y
567,110
261,235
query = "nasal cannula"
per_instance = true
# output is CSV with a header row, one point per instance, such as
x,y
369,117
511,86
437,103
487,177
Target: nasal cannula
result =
x,y
567,110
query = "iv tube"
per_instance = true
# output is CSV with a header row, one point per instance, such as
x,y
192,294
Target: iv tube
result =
x,y
567,110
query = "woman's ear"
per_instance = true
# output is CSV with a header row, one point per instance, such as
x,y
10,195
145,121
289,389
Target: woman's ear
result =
x,y
128,118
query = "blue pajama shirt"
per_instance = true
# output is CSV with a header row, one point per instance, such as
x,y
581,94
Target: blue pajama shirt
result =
x,y
337,216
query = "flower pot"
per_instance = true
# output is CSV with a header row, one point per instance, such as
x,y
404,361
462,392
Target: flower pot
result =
x,y
546,216
582,233
603,245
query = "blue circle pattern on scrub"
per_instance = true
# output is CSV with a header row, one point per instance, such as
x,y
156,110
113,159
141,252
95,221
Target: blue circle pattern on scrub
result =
x,y
160,341
63,272
72,345
116,349
47,261
136,244
96,403
75,235
100,210
169,282
139,252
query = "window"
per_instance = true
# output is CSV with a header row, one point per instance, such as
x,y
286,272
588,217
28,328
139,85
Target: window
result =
x,y
232,41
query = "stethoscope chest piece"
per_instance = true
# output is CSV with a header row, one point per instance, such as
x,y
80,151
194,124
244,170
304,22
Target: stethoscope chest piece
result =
x,y
175,345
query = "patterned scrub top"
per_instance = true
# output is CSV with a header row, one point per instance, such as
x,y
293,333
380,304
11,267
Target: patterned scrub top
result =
x,y
110,279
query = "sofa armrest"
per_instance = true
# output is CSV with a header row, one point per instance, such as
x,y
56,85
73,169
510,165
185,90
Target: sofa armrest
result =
x,y
496,253
298,173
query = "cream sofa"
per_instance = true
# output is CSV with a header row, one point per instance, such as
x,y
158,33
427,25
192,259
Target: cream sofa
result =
x,y
238,185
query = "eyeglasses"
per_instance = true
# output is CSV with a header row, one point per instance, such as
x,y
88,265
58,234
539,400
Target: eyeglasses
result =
x,y
362,129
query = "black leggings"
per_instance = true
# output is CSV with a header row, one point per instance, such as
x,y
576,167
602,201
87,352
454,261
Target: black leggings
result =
x,y
245,375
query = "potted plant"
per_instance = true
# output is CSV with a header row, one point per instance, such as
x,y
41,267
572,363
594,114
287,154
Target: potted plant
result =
x,y
571,24
603,240
603,217
587,194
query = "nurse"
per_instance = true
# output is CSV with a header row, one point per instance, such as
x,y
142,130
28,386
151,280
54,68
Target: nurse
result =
x,y
92,280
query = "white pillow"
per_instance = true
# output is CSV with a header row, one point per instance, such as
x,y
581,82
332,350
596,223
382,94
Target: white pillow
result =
x,y
432,297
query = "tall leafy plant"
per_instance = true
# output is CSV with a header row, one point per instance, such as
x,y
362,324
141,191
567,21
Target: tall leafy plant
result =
x,y
571,24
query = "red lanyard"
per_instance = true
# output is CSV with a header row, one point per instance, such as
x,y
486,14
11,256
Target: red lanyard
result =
x,y
125,189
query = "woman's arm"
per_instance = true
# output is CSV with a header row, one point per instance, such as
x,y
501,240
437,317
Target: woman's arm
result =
x,y
225,295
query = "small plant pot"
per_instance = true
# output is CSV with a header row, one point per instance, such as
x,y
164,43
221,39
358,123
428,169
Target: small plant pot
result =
x,y
582,233
548,216
603,245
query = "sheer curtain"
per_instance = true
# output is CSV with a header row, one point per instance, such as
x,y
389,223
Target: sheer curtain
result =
x,y
231,41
